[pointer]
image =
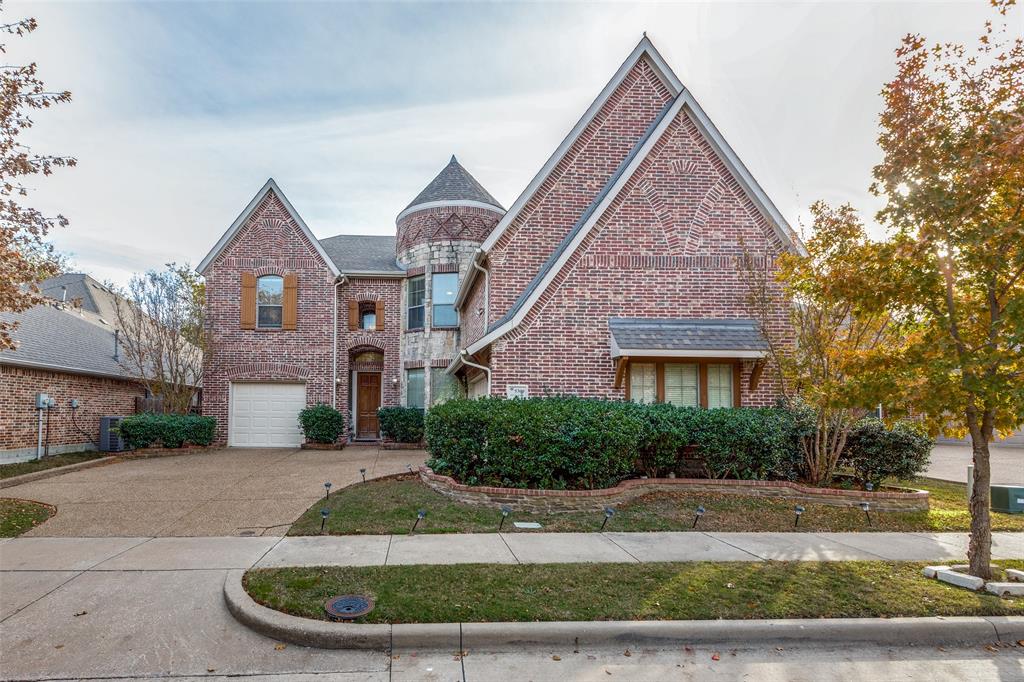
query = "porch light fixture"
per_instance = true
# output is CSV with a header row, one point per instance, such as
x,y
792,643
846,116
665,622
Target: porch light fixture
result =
x,y
323,519
608,513
505,511
799,510
419,517
327,487
362,472
700,513
865,507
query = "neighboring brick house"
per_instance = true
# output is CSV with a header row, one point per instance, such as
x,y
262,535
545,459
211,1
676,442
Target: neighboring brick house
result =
x,y
614,274
65,349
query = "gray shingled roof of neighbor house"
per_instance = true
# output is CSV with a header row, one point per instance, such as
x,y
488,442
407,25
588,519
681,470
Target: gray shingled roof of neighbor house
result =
x,y
362,253
454,183
95,297
62,340
686,334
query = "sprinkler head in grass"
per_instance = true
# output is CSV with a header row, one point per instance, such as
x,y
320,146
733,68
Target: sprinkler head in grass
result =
x,y
799,510
419,517
608,513
362,472
700,513
327,487
323,519
865,507
505,511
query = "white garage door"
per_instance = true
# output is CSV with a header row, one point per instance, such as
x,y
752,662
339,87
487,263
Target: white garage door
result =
x,y
266,415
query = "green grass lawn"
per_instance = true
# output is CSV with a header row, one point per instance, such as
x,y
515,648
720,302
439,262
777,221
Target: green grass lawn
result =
x,y
51,462
390,506
18,516
668,591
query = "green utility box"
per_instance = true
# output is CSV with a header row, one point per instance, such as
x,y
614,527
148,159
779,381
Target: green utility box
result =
x,y
1008,499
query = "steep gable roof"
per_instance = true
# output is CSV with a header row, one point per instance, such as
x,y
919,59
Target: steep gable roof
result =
x,y
267,188
454,185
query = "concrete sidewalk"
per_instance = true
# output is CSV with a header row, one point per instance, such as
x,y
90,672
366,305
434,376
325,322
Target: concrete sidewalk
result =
x,y
205,553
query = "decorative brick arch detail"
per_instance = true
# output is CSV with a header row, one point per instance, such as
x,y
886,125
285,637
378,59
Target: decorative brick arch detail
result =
x,y
690,239
269,270
366,342
266,370
366,296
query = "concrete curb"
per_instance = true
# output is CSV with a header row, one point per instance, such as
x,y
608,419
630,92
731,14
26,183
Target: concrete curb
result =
x,y
56,471
934,631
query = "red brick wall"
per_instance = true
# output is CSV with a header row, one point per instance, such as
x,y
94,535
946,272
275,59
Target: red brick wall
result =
x,y
270,242
572,184
97,397
444,223
666,248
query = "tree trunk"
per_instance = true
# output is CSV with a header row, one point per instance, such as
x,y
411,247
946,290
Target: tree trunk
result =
x,y
979,552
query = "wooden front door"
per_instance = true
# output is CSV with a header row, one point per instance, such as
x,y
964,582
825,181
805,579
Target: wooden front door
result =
x,y
368,402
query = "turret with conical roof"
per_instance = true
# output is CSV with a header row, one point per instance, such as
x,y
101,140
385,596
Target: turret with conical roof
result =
x,y
453,207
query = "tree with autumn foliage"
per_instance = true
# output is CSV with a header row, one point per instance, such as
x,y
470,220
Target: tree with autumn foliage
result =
x,y
832,359
952,176
25,255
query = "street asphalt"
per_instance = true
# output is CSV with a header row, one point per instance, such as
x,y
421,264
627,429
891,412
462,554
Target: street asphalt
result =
x,y
949,463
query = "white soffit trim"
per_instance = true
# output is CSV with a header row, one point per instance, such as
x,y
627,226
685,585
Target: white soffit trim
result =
x,y
644,47
247,211
639,353
627,174
453,202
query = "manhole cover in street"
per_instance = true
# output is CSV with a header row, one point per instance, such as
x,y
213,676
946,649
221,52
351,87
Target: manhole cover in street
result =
x,y
348,606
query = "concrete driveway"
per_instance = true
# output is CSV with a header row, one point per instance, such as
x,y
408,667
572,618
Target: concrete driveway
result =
x,y
219,492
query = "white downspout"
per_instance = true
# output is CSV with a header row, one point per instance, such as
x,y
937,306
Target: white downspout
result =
x,y
334,348
487,289
487,370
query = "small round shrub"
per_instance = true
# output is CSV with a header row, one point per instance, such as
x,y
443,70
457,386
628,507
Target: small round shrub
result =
x,y
321,423
401,424
875,452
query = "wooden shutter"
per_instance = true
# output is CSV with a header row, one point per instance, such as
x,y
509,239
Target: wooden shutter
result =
x,y
380,315
248,301
353,315
290,312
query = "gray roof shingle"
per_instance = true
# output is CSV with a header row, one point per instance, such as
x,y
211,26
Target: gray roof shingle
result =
x,y
95,297
362,253
686,334
454,183
62,340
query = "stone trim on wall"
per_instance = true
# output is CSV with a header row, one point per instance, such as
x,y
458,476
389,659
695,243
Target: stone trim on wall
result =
x,y
563,501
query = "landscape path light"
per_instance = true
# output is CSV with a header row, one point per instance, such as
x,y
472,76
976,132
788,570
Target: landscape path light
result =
x,y
362,472
799,510
505,511
327,487
865,507
323,519
700,513
608,513
419,517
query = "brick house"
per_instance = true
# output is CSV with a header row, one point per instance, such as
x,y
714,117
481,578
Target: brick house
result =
x,y
614,274
65,348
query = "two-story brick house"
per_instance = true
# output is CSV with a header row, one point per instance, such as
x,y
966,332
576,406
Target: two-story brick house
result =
x,y
615,273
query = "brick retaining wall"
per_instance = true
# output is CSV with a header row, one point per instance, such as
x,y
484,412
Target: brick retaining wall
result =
x,y
561,501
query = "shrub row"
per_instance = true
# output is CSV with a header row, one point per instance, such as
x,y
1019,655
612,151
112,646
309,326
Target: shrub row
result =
x,y
401,424
580,443
875,452
168,430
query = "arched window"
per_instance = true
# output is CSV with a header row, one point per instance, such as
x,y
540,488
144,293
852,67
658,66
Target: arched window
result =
x,y
269,301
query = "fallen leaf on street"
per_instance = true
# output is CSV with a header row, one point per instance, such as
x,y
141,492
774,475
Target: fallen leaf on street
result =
x,y
556,658
715,657
81,613
626,653
280,647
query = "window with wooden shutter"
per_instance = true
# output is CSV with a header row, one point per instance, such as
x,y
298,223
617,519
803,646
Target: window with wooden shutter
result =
x,y
353,315
291,301
247,308
380,315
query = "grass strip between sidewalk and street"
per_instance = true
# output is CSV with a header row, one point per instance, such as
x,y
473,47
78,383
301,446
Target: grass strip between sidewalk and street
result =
x,y
51,462
18,516
389,506
655,591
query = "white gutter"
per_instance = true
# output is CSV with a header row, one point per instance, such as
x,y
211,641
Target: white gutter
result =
x,y
486,370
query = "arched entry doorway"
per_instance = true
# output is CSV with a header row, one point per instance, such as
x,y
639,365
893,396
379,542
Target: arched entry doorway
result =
x,y
367,367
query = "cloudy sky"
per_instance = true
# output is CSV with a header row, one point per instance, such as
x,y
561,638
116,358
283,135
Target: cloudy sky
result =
x,y
182,110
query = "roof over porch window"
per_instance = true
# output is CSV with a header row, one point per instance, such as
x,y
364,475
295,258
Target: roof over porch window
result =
x,y
686,338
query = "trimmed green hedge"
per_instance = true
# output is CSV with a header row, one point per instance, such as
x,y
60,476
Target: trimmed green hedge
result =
x,y
321,423
168,430
401,424
581,443
875,452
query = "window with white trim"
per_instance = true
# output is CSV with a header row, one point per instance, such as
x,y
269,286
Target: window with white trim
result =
x,y
269,301
444,286
416,297
415,388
